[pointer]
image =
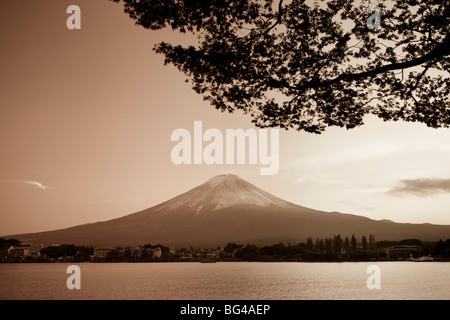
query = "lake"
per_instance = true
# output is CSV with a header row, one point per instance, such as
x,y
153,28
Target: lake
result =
x,y
227,281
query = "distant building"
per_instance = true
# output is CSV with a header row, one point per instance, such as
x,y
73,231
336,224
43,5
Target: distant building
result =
x,y
155,252
402,251
16,252
102,252
24,250
185,255
35,249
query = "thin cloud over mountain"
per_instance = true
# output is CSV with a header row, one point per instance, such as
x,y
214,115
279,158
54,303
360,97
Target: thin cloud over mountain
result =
x,y
421,187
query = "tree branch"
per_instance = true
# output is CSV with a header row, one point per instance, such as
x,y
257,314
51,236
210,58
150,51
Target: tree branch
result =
x,y
280,11
443,49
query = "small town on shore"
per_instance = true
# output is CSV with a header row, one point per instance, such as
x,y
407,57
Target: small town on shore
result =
x,y
321,250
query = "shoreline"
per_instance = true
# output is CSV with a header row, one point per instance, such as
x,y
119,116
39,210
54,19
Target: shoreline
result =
x,y
224,261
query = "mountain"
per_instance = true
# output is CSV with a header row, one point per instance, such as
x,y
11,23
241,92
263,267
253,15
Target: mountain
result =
x,y
225,209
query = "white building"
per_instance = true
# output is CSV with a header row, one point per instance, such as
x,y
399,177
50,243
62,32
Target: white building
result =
x,y
102,252
25,250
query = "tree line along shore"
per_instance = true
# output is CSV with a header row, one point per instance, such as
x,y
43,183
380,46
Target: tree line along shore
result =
x,y
335,249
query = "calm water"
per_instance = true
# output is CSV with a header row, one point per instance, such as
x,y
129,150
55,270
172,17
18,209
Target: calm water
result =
x,y
227,281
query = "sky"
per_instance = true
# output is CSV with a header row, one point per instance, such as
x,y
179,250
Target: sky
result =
x,y
86,118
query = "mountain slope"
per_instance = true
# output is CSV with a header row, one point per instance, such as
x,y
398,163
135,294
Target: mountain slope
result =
x,y
225,209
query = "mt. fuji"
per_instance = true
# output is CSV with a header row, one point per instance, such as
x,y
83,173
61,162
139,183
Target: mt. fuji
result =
x,y
220,192
225,209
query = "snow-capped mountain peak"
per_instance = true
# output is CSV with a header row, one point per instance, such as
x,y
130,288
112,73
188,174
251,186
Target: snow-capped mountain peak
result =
x,y
223,191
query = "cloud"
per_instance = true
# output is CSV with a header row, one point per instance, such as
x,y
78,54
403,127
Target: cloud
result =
x,y
421,187
37,184
27,182
367,188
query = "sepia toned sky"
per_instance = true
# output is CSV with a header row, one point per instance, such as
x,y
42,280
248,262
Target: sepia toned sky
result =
x,y
86,118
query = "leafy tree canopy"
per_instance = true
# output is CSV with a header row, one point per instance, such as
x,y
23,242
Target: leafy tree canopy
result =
x,y
6,243
310,65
